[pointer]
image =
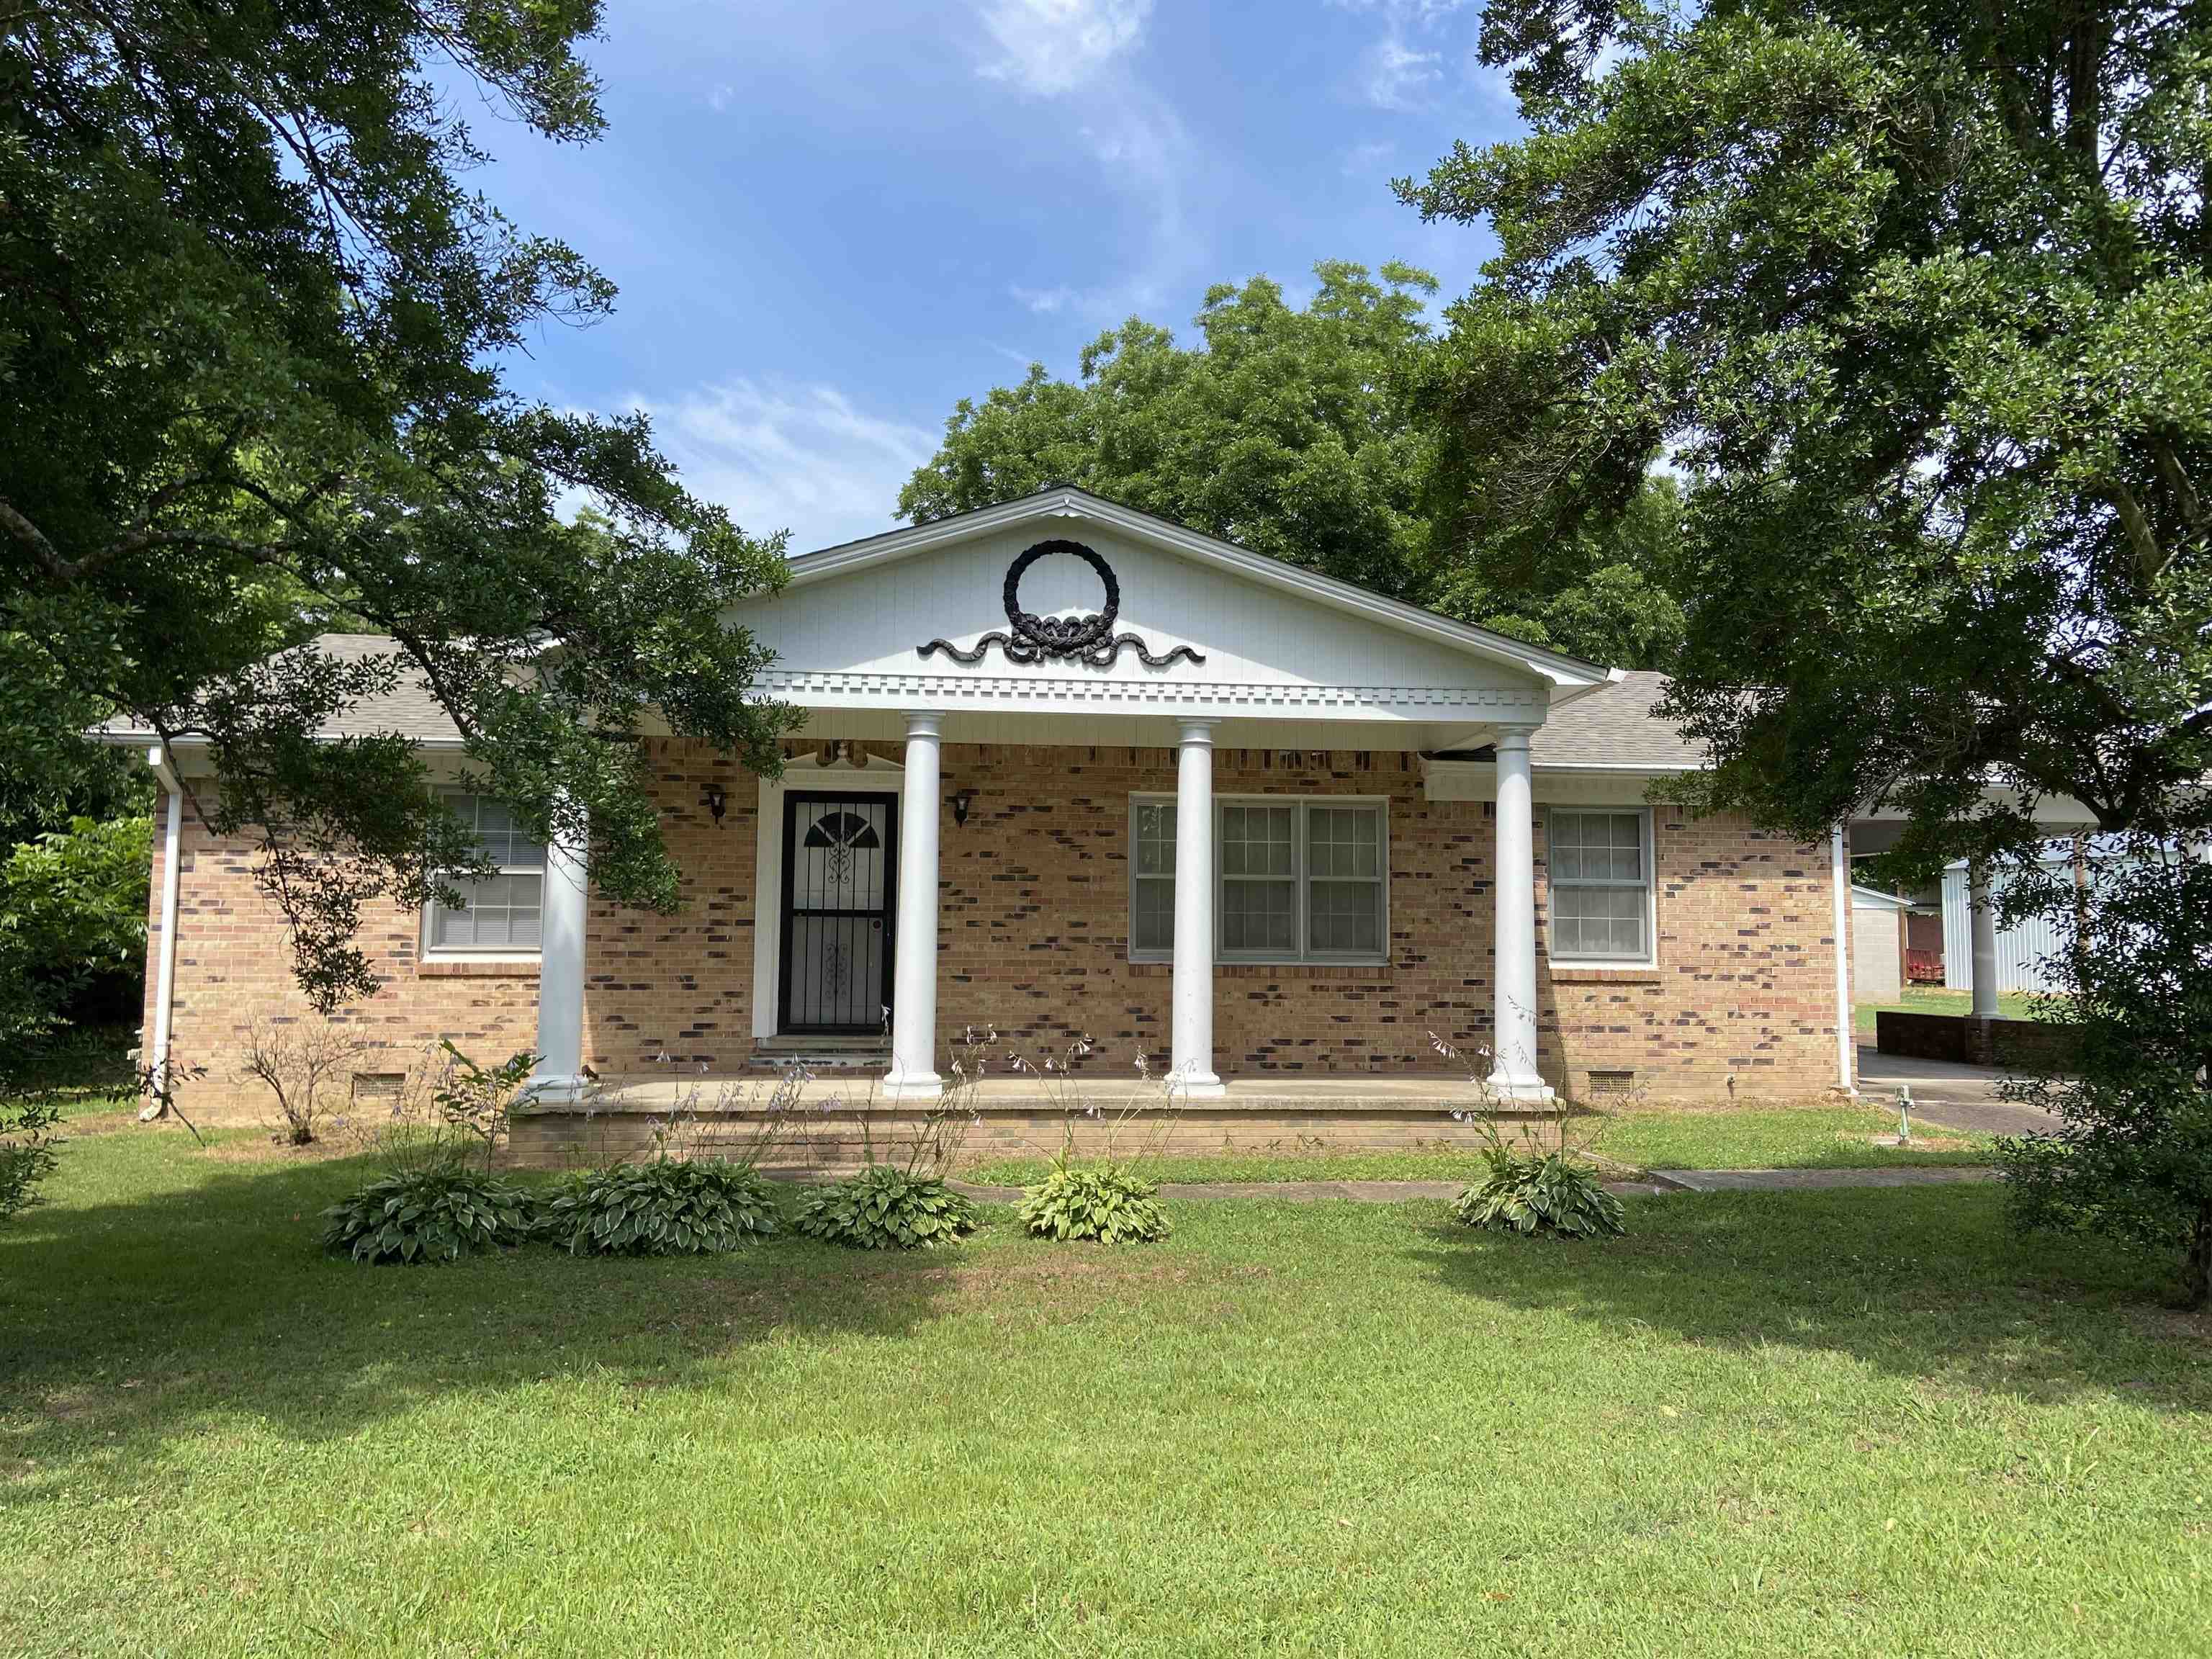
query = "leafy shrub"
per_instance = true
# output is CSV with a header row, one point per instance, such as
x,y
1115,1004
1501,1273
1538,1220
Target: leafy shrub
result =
x,y
428,1215
1530,1193
1107,1201
27,1150
887,1208
668,1207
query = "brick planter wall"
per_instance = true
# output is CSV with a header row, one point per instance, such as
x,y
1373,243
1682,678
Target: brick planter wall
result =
x,y
2025,1045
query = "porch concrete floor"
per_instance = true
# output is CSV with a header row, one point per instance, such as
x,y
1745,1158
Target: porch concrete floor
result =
x,y
1397,1093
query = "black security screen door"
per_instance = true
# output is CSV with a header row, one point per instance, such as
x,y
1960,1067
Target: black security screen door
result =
x,y
839,854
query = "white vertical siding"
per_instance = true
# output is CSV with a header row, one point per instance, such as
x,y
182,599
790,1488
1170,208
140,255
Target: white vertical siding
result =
x,y
2024,950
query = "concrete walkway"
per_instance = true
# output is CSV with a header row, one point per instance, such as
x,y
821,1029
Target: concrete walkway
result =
x,y
1662,1181
1961,1097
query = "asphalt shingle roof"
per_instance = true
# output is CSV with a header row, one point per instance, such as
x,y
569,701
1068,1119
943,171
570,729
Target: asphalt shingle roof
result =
x,y
1613,726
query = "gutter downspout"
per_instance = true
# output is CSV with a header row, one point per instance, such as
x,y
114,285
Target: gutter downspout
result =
x,y
1839,878
165,971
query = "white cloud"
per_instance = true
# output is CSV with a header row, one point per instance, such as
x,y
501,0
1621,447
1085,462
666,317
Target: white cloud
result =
x,y
1049,47
803,459
1045,301
1394,73
1365,161
1395,76
720,99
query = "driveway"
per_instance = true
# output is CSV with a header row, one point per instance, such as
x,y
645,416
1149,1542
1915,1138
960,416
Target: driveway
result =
x,y
1963,1097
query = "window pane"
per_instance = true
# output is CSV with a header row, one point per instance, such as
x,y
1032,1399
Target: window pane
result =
x,y
1346,916
1259,915
1152,927
1343,840
502,915
1255,841
1156,838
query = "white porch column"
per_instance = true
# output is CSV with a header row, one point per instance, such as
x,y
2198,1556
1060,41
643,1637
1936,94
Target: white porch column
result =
x,y
914,975
1514,1075
1192,1021
1982,925
559,1075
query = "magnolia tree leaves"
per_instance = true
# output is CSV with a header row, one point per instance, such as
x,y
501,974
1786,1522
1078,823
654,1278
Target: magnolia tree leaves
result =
x,y
251,328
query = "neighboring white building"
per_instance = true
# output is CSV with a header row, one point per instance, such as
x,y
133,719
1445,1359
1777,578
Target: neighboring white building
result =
x,y
1877,944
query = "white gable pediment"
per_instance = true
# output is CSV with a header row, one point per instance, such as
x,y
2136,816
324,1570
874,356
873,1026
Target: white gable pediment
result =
x,y
1195,627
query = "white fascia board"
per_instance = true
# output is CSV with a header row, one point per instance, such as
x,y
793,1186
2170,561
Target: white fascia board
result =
x,y
1569,677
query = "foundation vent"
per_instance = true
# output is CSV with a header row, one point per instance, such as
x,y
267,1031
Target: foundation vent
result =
x,y
378,1088
1612,1082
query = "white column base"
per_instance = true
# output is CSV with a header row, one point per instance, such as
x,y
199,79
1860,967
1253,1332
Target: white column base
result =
x,y
1519,1091
1196,1085
913,1086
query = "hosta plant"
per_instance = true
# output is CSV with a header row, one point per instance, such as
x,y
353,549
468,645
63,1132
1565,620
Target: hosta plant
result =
x,y
1106,1201
428,1215
1530,1192
887,1208
668,1206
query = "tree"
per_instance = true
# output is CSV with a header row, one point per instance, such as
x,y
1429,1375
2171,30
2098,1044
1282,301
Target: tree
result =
x,y
252,327
72,921
1298,434
1281,432
1917,299
2135,1160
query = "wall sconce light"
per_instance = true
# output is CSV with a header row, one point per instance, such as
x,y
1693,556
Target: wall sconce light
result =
x,y
961,802
717,802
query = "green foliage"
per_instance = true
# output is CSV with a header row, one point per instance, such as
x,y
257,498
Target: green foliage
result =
x,y
253,317
887,1208
476,1100
1281,431
668,1207
1531,1192
1107,1201
1919,300
2133,1157
428,1215
72,918
26,1149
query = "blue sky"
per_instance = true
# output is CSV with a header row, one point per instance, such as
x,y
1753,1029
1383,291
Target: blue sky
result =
x,y
830,222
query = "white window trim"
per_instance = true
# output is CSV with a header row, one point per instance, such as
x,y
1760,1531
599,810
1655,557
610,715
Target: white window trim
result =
x,y
1650,959
1305,956
427,952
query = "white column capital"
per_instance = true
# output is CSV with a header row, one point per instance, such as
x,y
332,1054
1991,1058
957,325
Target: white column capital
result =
x,y
1193,734
924,723
1513,738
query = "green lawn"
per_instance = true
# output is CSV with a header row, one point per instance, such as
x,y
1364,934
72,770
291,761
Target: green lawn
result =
x,y
1823,1137
1852,1422
1921,999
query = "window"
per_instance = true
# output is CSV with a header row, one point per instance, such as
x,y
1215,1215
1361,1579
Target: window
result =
x,y
1600,871
1295,880
502,910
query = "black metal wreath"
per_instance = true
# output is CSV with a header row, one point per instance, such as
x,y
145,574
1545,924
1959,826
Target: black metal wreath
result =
x,y
1089,638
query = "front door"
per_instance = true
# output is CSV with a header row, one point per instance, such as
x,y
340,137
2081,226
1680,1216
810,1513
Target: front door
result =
x,y
838,863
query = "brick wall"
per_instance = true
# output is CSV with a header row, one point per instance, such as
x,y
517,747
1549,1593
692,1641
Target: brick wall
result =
x,y
1033,938
1745,984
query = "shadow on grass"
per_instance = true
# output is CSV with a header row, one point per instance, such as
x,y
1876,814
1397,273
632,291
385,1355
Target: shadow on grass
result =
x,y
1925,1284
126,1322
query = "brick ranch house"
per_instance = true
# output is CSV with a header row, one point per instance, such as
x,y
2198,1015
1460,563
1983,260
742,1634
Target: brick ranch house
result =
x,y
1026,728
